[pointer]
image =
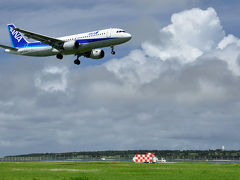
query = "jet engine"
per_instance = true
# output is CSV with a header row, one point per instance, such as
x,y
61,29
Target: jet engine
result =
x,y
95,54
71,45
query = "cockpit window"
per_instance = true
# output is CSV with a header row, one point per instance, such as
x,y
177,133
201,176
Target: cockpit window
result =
x,y
121,31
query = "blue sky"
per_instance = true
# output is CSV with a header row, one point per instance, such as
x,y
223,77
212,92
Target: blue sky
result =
x,y
173,86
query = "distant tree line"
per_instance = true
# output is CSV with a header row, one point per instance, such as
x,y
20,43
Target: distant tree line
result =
x,y
128,155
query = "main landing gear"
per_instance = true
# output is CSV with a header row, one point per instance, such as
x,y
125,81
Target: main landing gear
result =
x,y
113,52
59,56
77,61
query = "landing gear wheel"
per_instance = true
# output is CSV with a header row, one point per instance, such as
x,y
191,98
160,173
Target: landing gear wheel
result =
x,y
59,56
77,62
113,52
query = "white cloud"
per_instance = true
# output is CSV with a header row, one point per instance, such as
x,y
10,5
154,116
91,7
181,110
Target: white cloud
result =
x,y
192,34
229,51
180,89
52,79
230,54
228,40
135,68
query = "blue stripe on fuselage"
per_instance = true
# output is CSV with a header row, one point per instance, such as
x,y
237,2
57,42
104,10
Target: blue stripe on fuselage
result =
x,y
81,41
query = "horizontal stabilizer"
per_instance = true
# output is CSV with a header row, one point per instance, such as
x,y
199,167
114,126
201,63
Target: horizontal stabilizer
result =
x,y
7,47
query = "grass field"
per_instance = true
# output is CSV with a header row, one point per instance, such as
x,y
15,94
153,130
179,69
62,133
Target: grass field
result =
x,y
112,171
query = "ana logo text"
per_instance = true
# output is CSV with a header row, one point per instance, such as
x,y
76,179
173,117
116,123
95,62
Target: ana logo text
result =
x,y
16,34
93,33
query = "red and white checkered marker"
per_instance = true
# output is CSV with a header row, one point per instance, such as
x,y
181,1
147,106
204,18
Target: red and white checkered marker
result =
x,y
145,158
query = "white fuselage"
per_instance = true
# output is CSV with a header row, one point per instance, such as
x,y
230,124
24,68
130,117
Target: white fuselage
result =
x,y
87,41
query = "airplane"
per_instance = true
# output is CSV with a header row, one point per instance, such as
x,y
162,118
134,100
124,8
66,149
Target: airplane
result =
x,y
85,44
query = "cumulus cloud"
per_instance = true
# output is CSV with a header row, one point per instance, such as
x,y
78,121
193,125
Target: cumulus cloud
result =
x,y
229,51
192,34
52,79
179,90
191,64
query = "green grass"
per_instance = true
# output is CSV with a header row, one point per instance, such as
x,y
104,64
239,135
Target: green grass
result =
x,y
112,171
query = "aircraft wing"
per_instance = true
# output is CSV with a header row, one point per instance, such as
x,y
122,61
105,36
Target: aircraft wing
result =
x,y
56,43
7,47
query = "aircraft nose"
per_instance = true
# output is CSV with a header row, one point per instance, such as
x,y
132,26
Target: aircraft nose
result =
x,y
128,36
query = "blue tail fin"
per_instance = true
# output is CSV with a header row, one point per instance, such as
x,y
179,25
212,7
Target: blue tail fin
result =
x,y
16,37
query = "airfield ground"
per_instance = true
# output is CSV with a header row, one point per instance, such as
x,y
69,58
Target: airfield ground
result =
x,y
121,171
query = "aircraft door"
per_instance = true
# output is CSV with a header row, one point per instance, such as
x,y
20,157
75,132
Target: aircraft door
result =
x,y
109,33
